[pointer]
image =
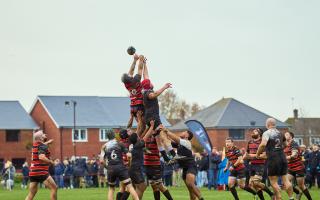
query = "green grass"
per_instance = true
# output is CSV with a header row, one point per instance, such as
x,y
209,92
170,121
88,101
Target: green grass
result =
x,y
178,193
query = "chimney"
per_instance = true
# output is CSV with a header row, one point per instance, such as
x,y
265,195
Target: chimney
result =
x,y
295,113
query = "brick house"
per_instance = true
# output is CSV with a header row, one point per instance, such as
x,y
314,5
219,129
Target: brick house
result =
x,y
306,130
16,128
229,118
93,116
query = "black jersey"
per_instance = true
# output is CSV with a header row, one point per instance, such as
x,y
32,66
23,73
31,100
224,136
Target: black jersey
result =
x,y
184,149
137,154
151,106
114,151
275,141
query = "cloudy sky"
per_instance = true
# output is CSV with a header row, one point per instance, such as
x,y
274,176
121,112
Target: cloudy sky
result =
x,y
262,53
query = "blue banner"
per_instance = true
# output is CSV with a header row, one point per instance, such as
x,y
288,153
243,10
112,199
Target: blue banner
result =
x,y
200,133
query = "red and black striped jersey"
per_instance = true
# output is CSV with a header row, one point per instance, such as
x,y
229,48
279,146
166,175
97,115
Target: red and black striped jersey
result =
x,y
233,154
125,158
252,148
152,157
38,167
135,90
294,164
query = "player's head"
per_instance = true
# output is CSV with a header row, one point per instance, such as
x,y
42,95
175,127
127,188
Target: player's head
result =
x,y
133,138
257,133
187,135
126,79
40,136
110,134
146,84
124,134
229,142
289,135
271,123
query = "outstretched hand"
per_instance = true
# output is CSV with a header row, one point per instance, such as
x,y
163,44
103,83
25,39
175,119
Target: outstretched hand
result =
x,y
135,57
167,85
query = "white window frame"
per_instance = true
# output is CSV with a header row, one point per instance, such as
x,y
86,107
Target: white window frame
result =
x,y
81,140
104,132
244,134
317,140
298,140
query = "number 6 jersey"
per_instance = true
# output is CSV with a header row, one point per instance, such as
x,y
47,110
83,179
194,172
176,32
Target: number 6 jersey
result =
x,y
113,152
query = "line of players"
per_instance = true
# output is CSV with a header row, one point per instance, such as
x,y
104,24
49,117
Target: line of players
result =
x,y
150,140
282,158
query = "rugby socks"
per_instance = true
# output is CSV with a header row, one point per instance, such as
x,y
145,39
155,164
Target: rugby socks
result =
x,y
167,195
306,192
119,195
156,195
164,154
125,195
267,190
172,152
296,190
260,195
248,189
234,193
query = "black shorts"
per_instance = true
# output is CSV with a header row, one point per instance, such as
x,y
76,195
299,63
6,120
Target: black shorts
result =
x,y
189,170
297,174
136,175
136,108
256,170
157,122
277,164
38,179
116,171
153,172
239,174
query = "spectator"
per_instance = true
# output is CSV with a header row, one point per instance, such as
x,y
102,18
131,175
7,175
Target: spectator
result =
x,y
93,169
67,174
58,173
25,174
79,172
313,168
102,175
167,174
8,175
223,175
214,160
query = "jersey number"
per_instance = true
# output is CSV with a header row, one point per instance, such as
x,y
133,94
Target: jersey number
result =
x,y
113,155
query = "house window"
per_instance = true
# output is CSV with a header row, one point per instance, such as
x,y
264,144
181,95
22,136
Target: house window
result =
x,y
1,163
236,134
315,140
79,135
103,135
12,135
18,162
298,140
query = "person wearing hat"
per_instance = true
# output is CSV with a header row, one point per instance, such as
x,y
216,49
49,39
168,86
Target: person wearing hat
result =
x,y
39,169
256,165
112,155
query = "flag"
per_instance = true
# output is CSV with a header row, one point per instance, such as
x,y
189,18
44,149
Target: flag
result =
x,y
200,133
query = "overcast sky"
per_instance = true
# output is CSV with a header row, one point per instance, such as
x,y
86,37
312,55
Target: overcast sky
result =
x,y
262,53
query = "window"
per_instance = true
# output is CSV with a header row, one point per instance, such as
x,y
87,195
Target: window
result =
x,y
18,162
236,134
298,140
79,135
12,135
1,163
315,140
103,135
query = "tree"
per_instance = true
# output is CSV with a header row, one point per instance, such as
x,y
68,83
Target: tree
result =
x,y
174,108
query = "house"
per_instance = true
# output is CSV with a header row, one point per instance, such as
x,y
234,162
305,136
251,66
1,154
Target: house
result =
x,y
306,130
16,128
229,117
78,124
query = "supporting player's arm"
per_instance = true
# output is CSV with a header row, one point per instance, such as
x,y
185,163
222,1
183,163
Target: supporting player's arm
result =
x,y
157,93
240,160
149,132
172,136
133,65
261,147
